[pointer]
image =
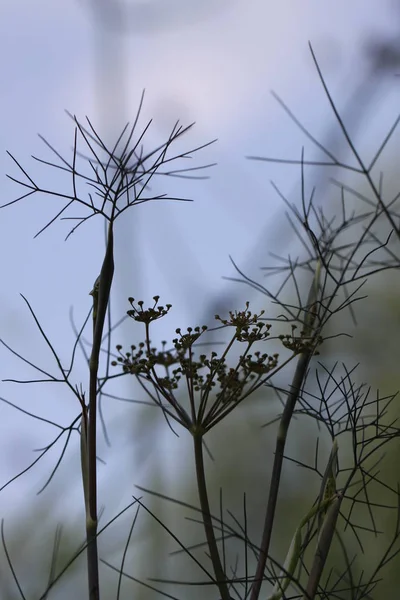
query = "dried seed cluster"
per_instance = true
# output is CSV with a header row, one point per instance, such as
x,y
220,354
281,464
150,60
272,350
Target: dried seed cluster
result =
x,y
182,360
300,343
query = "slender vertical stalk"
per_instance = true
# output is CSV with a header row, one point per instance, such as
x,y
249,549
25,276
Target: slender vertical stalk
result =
x,y
207,520
100,303
298,380
286,418
323,546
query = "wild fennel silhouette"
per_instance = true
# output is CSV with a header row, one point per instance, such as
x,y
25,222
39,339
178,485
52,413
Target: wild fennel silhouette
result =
x,y
197,387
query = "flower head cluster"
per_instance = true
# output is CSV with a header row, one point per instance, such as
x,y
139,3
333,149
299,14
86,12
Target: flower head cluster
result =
x,y
300,343
150,314
186,340
205,375
249,327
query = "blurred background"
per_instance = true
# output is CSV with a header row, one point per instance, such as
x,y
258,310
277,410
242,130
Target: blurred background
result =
x,y
214,63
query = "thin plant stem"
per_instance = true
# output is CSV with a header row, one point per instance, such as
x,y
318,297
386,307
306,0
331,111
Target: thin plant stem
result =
x,y
207,519
100,303
300,373
298,380
323,546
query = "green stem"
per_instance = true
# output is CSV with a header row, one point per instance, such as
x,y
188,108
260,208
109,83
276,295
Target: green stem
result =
x,y
207,519
323,546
